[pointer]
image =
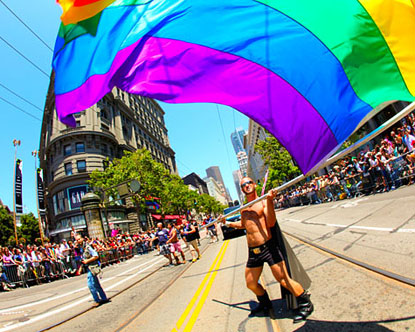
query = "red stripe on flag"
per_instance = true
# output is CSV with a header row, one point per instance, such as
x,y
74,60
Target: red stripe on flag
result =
x,y
80,3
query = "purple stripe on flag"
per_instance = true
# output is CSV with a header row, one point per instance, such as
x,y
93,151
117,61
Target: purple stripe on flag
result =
x,y
178,72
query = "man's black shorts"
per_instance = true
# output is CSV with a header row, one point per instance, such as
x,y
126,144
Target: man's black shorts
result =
x,y
265,253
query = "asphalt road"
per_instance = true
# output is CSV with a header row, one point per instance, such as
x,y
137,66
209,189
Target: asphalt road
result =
x,y
210,295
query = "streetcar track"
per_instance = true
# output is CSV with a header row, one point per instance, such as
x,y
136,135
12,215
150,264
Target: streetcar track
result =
x,y
91,308
159,294
353,261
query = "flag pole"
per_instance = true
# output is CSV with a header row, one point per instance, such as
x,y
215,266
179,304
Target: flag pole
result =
x,y
16,143
408,109
35,153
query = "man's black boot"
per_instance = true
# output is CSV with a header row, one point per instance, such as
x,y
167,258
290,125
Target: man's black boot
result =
x,y
304,309
264,305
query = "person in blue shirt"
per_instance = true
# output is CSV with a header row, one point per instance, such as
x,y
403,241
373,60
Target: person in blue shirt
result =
x,y
90,258
212,229
162,234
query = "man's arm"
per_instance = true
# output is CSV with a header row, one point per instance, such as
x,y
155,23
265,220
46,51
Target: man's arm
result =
x,y
192,230
234,224
90,260
93,258
271,218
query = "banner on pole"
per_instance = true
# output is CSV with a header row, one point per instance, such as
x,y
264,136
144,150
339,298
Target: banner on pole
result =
x,y
265,182
18,187
40,192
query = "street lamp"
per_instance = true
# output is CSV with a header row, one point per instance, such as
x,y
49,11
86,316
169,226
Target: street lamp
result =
x,y
16,143
35,154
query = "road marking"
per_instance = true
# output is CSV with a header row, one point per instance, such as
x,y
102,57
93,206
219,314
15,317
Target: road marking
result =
x,y
350,203
380,229
202,300
72,292
199,290
406,230
292,220
74,304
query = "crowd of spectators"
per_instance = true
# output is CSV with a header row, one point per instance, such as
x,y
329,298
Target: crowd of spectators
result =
x,y
389,164
26,265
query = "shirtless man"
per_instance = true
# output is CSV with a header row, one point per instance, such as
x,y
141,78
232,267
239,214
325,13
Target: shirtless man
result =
x,y
258,220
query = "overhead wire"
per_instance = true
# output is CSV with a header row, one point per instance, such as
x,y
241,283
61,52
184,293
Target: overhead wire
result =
x,y
184,165
22,98
23,56
43,72
20,109
234,122
224,138
27,27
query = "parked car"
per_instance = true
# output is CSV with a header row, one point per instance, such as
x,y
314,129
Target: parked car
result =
x,y
230,232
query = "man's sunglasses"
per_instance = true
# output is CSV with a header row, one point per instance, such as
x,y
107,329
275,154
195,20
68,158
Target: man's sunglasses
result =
x,y
243,185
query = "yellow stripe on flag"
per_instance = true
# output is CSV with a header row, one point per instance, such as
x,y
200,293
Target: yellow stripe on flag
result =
x,y
74,14
396,20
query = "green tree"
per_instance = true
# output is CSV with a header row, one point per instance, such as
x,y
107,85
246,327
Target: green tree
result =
x,y
29,230
279,161
137,165
207,204
6,226
176,197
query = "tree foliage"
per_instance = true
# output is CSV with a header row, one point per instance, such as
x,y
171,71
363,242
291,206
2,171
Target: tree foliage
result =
x,y
6,227
278,160
137,165
29,229
156,181
28,232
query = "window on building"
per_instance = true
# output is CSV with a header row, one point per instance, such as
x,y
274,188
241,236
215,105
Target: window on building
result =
x,y
68,168
104,149
81,165
78,124
78,220
67,150
61,202
80,147
104,114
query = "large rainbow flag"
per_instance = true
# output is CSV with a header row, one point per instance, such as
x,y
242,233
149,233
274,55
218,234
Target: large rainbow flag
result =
x,y
307,71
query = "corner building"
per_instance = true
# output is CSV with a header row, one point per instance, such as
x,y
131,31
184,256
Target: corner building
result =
x,y
118,122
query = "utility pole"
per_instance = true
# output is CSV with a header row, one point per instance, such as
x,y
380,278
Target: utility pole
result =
x,y
16,143
35,153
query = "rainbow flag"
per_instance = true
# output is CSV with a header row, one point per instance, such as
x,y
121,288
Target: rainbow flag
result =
x,y
307,71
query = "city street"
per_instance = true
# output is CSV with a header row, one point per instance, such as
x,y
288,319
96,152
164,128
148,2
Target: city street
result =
x,y
210,295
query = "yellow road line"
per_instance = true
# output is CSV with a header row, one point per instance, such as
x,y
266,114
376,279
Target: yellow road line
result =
x,y
199,306
202,285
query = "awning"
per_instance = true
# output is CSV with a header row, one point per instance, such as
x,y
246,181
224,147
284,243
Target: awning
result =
x,y
168,216
63,230
112,222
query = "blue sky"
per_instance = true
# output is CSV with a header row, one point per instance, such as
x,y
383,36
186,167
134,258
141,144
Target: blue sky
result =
x,y
195,130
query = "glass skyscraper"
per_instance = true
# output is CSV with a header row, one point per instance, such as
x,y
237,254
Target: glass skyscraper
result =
x,y
237,139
